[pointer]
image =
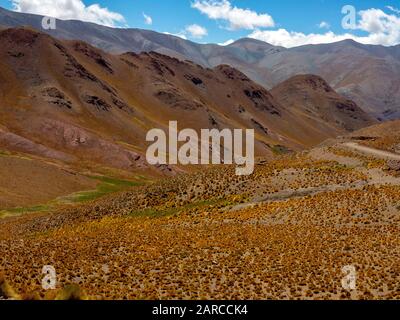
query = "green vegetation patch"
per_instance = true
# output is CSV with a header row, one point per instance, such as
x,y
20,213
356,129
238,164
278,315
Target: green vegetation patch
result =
x,y
23,210
4,153
107,185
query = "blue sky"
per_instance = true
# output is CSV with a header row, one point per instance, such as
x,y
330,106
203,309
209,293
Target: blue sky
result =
x,y
282,22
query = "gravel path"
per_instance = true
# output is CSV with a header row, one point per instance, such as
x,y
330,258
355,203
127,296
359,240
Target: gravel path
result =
x,y
374,152
376,176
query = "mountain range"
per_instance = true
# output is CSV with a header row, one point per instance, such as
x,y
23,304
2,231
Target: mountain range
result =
x,y
71,102
366,74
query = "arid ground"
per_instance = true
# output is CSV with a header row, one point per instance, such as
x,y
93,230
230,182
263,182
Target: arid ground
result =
x,y
286,232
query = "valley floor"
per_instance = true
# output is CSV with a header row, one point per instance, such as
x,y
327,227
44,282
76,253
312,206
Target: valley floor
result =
x,y
285,232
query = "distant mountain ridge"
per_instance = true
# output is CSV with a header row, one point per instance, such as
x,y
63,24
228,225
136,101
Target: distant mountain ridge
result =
x,y
367,74
71,102
311,96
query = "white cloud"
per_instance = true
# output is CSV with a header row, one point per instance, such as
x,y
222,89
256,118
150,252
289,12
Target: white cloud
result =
x,y
324,25
196,31
382,29
193,31
395,10
290,39
179,35
226,43
147,19
70,9
236,17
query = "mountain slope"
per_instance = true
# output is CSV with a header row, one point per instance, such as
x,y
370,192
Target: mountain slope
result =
x,y
366,74
71,102
27,182
384,136
311,96
56,107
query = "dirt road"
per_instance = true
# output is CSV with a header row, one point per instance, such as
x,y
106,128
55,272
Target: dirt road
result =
x,y
375,176
371,151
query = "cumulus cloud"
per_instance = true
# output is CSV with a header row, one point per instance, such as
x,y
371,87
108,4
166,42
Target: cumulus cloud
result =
x,y
196,31
147,19
236,18
290,39
226,43
70,9
382,29
324,25
193,31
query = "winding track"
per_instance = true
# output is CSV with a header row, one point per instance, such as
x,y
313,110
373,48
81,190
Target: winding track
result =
x,y
376,177
372,151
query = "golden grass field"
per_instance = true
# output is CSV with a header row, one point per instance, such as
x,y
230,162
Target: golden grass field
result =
x,y
285,232
77,192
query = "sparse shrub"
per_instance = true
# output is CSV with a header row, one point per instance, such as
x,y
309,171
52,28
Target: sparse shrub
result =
x,y
71,292
6,291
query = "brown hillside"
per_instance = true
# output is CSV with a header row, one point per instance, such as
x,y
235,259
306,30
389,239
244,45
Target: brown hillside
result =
x,y
312,97
78,100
